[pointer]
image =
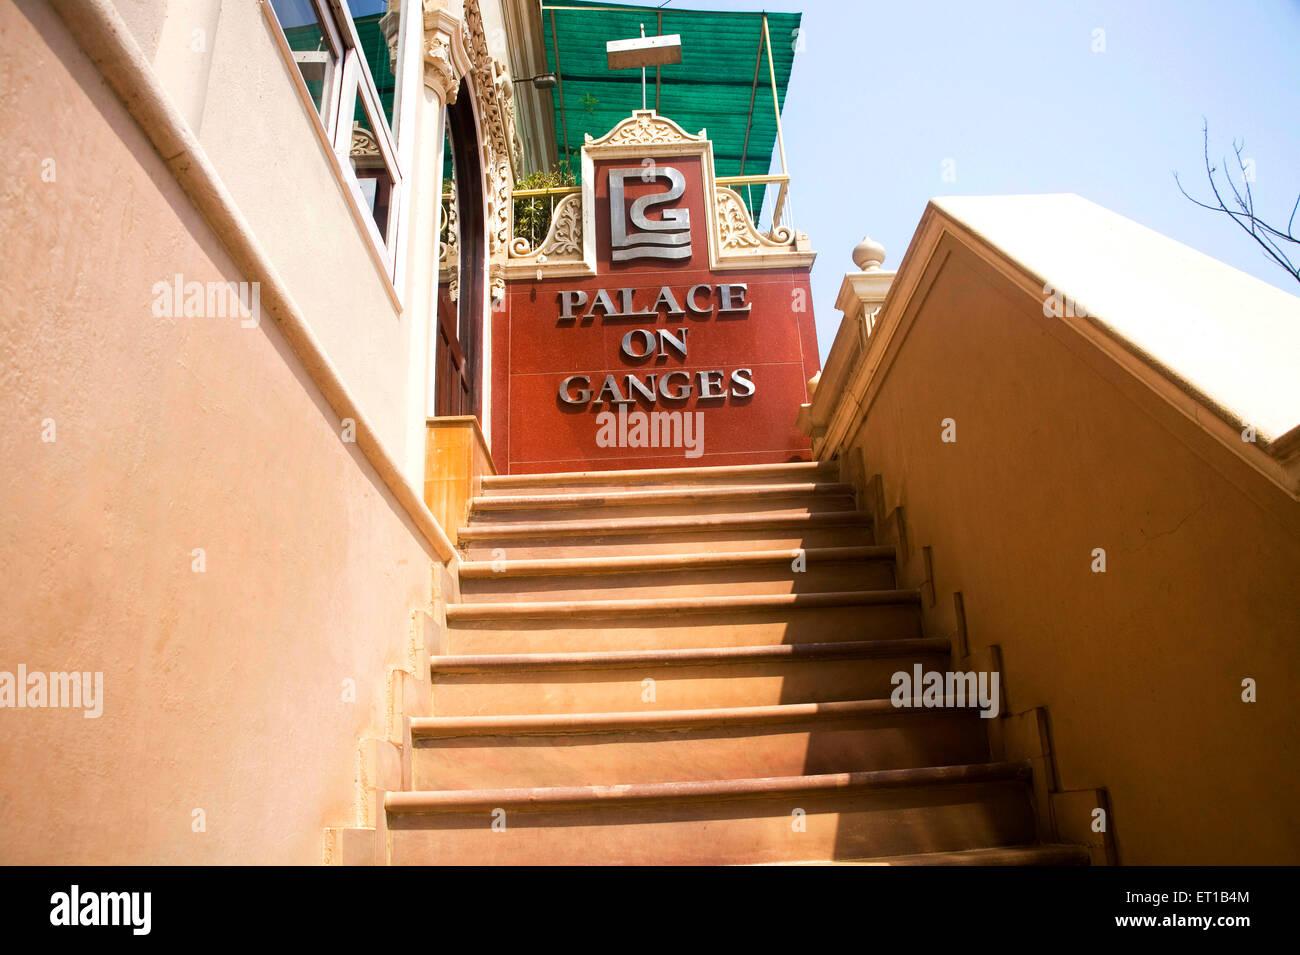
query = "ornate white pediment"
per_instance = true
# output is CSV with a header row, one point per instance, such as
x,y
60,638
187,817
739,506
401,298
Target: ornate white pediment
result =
x,y
645,127
734,240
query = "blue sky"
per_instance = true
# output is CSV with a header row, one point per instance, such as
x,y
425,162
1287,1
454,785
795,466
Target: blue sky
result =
x,y
1011,92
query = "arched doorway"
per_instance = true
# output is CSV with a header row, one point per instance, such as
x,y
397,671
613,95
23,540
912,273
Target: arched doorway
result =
x,y
461,280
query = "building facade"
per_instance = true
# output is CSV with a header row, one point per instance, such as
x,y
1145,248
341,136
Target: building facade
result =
x,y
347,348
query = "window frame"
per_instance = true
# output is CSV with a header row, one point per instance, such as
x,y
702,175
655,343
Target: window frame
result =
x,y
351,80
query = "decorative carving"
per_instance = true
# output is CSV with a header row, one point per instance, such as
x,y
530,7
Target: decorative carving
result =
x,y
499,201
439,70
453,51
784,235
494,98
736,230
388,24
506,99
497,282
564,238
450,254
645,127
363,141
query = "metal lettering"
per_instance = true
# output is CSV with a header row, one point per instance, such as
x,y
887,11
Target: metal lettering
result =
x,y
711,385
647,336
691,303
584,393
571,300
725,292
682,393
666,238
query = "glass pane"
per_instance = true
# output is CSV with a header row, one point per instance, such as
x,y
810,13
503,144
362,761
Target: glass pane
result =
x,y
312,49
368,164
366,17
294,14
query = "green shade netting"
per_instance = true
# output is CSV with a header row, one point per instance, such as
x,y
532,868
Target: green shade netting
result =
x,y
711,89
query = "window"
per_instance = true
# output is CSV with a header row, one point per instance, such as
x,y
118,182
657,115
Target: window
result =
x,y
316,48
339,48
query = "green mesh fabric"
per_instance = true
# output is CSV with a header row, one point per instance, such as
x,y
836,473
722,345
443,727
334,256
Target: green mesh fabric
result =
x,y
713,88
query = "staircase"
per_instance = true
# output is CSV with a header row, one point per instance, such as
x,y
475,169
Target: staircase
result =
x,y
693,666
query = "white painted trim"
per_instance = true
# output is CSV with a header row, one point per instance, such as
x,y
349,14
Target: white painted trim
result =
x,y
408,72
431,357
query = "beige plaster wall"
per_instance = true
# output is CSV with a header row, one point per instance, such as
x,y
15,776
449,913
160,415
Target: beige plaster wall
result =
x,y
1059,452
238,96
224,691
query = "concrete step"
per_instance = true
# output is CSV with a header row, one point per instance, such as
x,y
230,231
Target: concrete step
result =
x,y
819,569
607,749
689,622
773,819
620,680
1035,855
804,497
690,534
661,477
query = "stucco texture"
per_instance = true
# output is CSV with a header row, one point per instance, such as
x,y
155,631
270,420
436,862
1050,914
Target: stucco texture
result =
x,y
225,690
1059,451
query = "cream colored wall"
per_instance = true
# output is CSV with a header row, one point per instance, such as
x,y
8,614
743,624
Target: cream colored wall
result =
x,y
224,690
238,96
145,18
1058,452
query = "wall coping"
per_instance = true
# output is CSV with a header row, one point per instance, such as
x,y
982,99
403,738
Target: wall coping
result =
x,y
1062,242
465,421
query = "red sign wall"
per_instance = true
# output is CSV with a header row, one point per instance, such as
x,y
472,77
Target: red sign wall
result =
x,y
720,357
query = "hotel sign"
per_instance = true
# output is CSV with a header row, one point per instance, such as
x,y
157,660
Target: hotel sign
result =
x,y
639,344
652,295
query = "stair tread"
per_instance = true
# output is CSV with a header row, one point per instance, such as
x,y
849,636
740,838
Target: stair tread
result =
x,y
737,602
536,724
632,525
641,563
556,797
1034,854
694,656
658,474
658,495
706,763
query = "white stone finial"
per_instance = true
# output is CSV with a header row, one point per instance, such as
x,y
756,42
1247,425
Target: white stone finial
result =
x,y
868,255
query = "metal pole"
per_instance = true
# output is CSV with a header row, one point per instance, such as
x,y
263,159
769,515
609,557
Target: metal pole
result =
x,y
780,138
776,103
559,78
643,72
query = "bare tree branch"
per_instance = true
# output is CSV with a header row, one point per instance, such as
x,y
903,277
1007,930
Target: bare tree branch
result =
x,y
1267,236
